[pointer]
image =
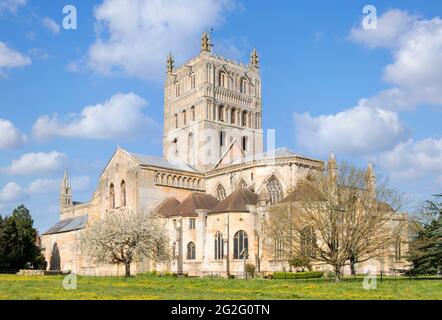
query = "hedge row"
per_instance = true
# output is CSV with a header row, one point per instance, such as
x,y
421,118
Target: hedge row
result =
x,y
298,275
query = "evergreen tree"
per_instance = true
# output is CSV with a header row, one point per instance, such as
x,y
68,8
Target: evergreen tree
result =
x,y
18,237
426,248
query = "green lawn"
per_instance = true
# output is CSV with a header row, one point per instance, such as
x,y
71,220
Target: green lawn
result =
x,y
143,287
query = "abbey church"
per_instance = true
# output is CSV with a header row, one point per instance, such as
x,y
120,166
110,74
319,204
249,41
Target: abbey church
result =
x,y
213,186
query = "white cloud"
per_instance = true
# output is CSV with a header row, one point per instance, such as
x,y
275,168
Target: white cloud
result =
x,y
356,131
51,25
42,186
134,37
11,5
119,117
11,192
80,184
35,163
10,58
416,72
414,159
10,136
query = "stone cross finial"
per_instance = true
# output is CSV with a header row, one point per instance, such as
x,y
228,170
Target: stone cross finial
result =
x,y
254,58
205,43
170,63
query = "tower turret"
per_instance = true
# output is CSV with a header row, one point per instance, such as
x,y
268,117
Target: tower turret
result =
x,y
206,46
254,59
370,181
65,191
170,64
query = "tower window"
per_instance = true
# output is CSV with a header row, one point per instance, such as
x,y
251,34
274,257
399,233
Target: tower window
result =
x,y
232,116
244,119
176,120
192,81
221,113
244,143
243,86
222,138
223,79
184,117
192,113
177,89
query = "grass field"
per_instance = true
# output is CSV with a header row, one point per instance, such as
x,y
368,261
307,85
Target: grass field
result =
x,y
143,287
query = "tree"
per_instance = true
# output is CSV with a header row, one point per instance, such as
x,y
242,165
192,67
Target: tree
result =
x,y
426,247
124,237
337,217
18,238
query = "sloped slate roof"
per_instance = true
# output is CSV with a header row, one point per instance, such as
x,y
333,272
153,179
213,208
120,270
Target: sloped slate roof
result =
x,y
167,206
237,201
193,202
268,155
162,163
67,225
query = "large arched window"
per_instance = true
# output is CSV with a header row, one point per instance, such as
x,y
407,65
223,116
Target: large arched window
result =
x,y
123,193
112,196
308,242
240,245
220,193
191,251
275,190
219,246
279,248
397,249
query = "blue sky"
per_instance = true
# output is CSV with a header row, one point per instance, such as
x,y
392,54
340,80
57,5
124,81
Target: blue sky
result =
x,y
328,85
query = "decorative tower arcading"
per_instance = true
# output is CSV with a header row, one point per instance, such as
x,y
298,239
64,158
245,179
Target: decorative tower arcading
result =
x,y
254,59
370,181
206,46
332,168
65,191
170,64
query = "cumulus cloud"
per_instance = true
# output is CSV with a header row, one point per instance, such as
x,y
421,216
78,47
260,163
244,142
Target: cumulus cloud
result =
x,y
10,58
416,72
411,159
42,186
36,163
11,5
356,131
10,136
119,117
51,25
135,37
10,192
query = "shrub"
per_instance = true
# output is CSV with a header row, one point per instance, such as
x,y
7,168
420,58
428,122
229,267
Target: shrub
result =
x,y
298,275
250,269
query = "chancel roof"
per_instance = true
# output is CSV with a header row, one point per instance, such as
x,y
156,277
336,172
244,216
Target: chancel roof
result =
x,y
194,202
69,224
237,201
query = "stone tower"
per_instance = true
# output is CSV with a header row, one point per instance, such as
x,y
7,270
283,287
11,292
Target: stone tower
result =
x,y
212,109
65,192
